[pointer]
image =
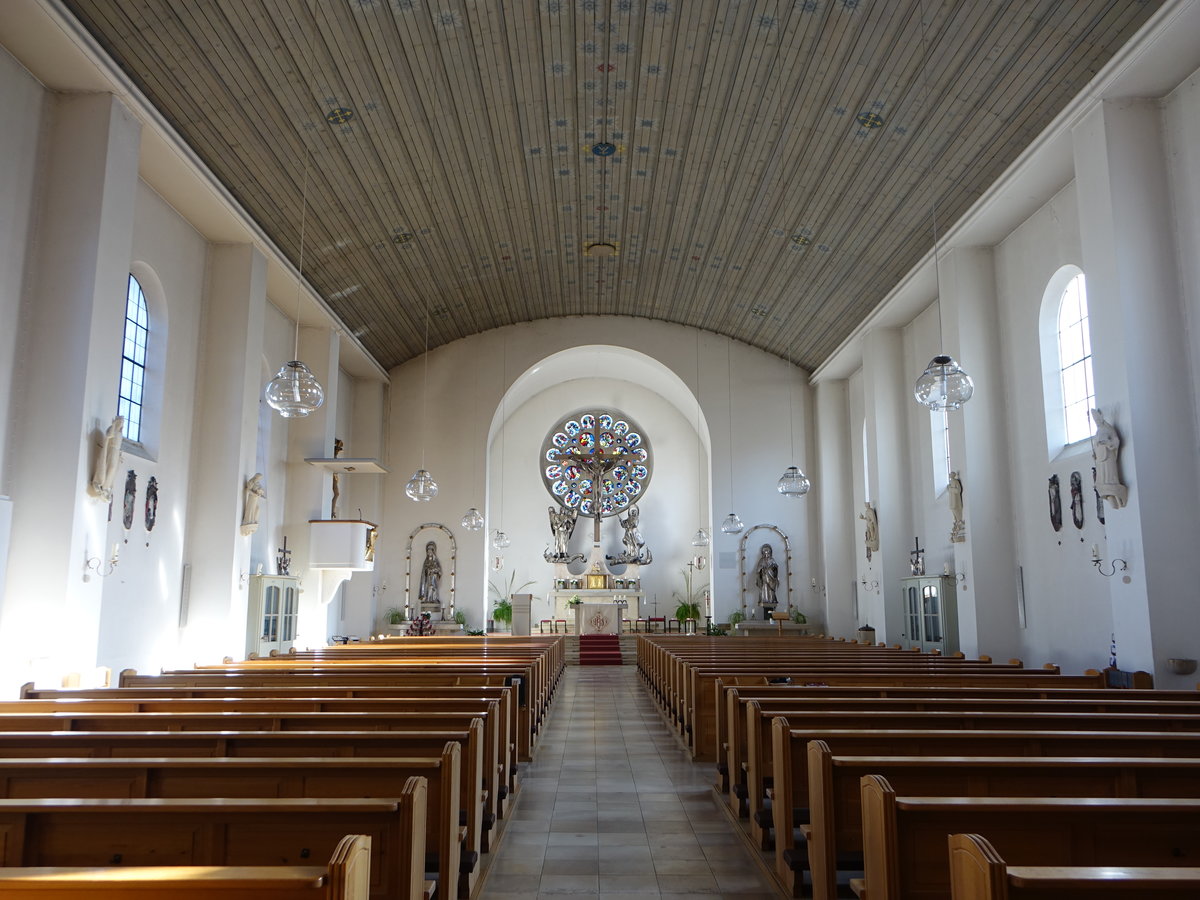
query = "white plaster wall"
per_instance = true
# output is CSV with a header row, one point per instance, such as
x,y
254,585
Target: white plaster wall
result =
x,y
21,94
1068,616
1181,116
467,380
140,606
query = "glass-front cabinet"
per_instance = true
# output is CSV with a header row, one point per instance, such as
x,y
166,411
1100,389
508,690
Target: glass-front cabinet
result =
x,y
271,613
930,613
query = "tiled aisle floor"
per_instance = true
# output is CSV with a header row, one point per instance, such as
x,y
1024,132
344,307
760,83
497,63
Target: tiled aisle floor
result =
x,y
611,805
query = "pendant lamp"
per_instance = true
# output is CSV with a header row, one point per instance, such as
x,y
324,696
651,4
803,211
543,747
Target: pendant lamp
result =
x,y
943,384
793,482
294,392
421,487
473,520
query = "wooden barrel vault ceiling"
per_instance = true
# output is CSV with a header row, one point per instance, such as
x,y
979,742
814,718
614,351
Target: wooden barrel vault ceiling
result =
x,y
765,169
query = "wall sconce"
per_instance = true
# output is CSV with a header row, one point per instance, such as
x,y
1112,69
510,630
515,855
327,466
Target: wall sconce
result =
x,y
97,565
1117,565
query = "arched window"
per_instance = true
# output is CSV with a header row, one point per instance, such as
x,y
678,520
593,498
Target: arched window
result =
x,y
133,361
1075,361
939,434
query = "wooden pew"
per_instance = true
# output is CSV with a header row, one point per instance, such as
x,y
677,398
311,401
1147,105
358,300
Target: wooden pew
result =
x,y
780,700
221,832
904,838
1034,717
834,830
352,722
321,698
312,777
978,872
286,744
127,700
281,676
790,763
346,877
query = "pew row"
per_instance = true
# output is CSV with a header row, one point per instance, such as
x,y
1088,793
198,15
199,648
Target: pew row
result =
x,y
309,777
280,744
497,728
834,830
1033,718
904,838
221,832
978,872
792,790
346,877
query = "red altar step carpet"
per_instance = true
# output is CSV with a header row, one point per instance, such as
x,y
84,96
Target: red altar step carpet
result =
x,y
599,650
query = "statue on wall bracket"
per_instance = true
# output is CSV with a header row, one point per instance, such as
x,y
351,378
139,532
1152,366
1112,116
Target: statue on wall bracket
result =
x,y
1106,451
871,532
954,487
104,475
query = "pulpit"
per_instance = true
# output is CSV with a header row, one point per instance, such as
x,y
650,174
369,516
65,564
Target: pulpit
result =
x,y
598,618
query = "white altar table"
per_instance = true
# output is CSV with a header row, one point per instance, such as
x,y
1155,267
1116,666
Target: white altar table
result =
x,y
559,601
598,618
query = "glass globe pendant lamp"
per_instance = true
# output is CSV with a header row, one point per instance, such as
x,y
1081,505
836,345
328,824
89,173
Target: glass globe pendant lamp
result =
x,y
294,391
943,385
473,520
421,487
732,524
500,540
700,538
793,483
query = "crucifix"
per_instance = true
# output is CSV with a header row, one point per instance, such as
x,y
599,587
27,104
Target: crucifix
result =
x,y
917,558
284,559
597,464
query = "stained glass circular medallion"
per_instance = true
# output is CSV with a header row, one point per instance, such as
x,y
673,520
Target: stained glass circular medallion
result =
x,y
596,461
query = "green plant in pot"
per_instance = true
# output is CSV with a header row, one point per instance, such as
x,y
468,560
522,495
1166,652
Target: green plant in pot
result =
x,y
394,616
736,616
460,617
688,602
502,611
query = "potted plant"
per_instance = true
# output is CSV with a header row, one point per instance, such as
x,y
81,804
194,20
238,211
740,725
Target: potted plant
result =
x,y
798,617
688,602
394,618
460,617
735,617
502,611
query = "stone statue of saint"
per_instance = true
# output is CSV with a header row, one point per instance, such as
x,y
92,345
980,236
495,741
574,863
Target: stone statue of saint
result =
x,y
958,534
562,524
871,532
429,593
104,476
252,495
766,578
1106,451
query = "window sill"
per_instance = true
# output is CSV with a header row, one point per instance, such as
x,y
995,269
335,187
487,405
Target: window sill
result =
x,y
138,449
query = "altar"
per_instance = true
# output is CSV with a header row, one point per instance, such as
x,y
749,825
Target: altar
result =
x,y
629,600
598,618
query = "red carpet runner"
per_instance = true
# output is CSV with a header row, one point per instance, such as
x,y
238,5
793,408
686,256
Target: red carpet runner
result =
x,y
599,650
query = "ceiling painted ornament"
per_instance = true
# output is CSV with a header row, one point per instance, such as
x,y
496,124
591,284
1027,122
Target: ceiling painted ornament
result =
x,y
596,461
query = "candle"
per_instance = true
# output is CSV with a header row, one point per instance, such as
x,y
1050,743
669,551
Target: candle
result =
x,y
116,552
1095,551
945,568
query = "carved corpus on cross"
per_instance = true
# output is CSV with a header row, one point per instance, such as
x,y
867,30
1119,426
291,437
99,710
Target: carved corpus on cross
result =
x,y
917,558
597,463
